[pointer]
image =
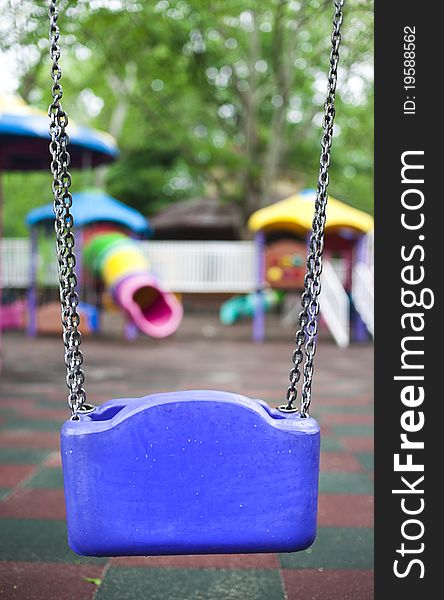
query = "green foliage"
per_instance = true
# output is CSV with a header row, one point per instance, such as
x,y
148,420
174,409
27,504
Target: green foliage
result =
x,y
21,193
220,98
94,580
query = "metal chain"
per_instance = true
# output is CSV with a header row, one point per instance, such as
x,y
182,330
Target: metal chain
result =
x,y
308,317
64,226
306,335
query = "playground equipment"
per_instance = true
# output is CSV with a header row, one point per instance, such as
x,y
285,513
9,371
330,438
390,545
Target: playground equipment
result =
x,y
48,318
285,264
13,315
206,452
24,139
284,268
240,307
192,471
114,260
123,267
281,231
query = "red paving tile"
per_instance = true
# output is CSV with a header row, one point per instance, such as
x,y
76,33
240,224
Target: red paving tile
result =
x,y
337,462
38,581
358,444
203,561
34,504
329,584
345,510
11,475
29,439
343,382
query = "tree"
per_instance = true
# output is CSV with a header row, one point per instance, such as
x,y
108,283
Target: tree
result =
x,y
221,98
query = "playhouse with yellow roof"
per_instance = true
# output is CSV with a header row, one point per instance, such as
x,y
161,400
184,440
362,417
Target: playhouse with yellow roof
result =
x,y
282,231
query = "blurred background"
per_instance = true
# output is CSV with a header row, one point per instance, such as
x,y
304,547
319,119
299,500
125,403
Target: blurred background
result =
x,y
223,100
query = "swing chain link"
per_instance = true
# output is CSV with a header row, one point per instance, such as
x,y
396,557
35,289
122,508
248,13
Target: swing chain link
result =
x,y
64,227
308,317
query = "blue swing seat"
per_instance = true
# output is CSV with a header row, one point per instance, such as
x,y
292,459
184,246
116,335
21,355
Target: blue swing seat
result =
x,y
191,472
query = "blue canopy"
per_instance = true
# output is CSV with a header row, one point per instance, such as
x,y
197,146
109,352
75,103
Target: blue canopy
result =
x,y
24,139
93,206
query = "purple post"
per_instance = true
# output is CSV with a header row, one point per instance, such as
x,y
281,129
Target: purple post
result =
x,y
359,329
32,291
360,333
131,331
259,305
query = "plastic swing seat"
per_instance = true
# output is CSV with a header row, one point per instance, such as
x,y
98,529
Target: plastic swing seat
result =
x,y
190,472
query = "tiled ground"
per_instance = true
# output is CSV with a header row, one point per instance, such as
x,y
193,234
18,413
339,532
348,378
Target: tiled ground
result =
x,y
36,561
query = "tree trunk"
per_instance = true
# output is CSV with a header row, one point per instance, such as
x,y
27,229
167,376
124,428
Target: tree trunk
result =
x,y
122,90
249,185
282,74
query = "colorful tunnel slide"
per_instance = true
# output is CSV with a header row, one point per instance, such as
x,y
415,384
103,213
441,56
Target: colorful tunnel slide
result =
x,y
120,262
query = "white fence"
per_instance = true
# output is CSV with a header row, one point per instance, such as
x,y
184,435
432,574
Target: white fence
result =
x,y
14,267
216,267
213,267
181,266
